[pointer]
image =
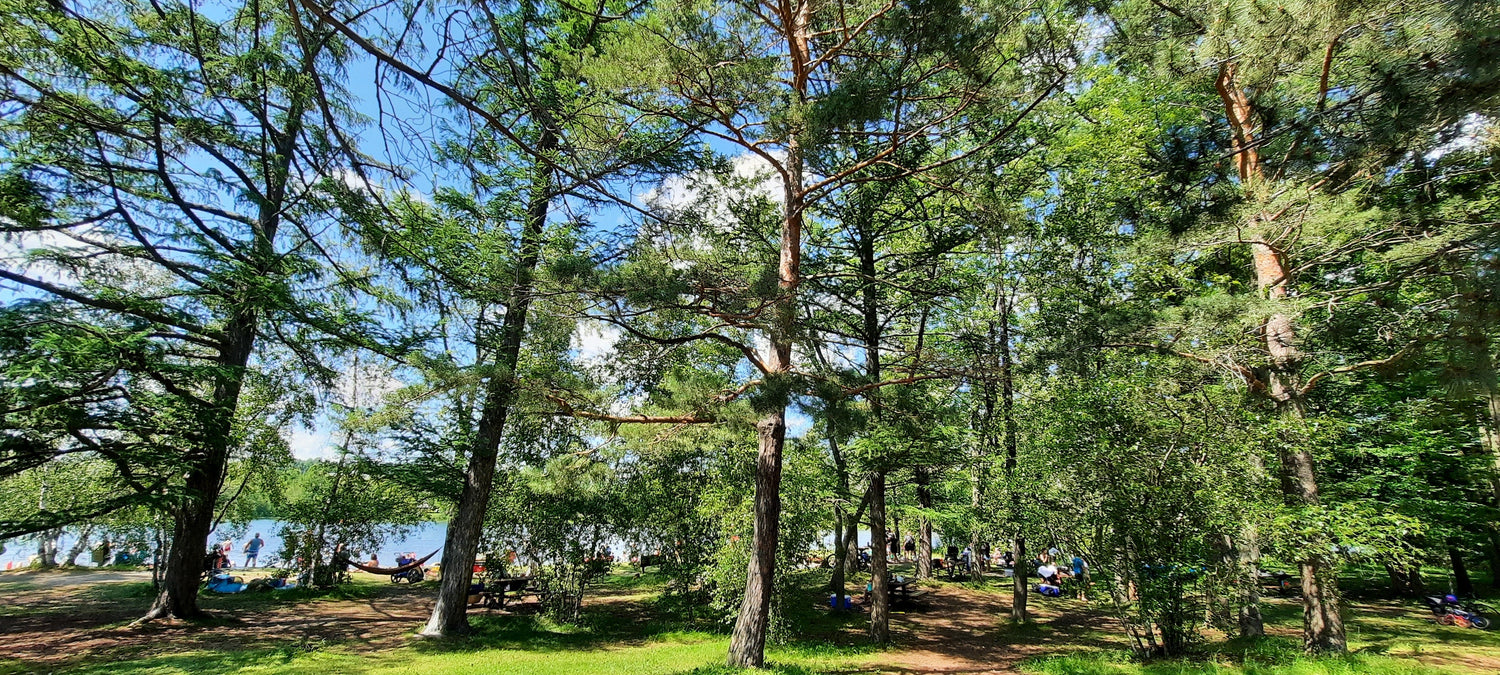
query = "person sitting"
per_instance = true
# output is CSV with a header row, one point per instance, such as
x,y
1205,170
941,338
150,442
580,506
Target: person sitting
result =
x,y
1048,573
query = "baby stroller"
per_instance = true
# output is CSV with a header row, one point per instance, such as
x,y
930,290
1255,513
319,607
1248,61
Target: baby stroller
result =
x,y
411,576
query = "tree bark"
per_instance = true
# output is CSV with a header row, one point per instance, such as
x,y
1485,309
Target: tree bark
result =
x,y
840,541
1322,623
71,559
1019,588
1462,584
177,595
1248,549
880,596
1489,432
924,526
1018,585
1406,582
461,543
747,645
46,547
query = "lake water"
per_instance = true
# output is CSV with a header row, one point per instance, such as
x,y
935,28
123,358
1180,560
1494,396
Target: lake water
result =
x,y
422,539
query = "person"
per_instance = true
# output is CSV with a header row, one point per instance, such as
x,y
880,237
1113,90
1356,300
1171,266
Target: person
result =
x,y
341,558
968,559
101,554
374,560
1008,559
252,550
1048,573
1079,568
892,545
911,548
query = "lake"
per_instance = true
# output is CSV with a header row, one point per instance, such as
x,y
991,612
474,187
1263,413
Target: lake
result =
x,y
422,539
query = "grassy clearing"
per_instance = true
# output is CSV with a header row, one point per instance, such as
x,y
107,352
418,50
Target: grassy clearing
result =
x,y
539,652
635,629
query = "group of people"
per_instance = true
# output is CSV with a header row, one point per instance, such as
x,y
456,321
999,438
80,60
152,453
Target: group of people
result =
x,y
1052,567
218,556
106,554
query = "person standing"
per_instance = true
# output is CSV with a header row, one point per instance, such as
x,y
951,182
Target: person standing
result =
x,y
252,550
911,548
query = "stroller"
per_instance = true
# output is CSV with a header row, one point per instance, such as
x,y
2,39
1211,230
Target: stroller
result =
x,y
1450,611
411,576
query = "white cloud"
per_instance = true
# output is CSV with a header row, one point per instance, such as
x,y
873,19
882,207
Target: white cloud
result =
x,y
683,190
592,341
797,423
366,385
313,443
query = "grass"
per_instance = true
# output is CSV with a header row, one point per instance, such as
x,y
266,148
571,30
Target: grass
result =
x,y
1353,664
638,632
517,653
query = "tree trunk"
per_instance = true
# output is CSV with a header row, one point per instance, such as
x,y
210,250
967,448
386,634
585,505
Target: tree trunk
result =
x,y
461,543
71,560
1018,589
924,526
851,539
1489,431
840,552
1462,585
1248,572
46,547
747,645
1406,582
1248,548
193,515
1323,626
1322,621
880,596
1018,586
840,540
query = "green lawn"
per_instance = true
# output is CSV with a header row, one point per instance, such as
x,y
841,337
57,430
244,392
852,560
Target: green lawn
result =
x,y
636,632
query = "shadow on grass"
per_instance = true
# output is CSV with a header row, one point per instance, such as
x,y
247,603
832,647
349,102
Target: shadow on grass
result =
x,y
1262,656
300,660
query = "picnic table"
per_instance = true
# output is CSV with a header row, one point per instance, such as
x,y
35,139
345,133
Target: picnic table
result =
x,y
496,593
903,591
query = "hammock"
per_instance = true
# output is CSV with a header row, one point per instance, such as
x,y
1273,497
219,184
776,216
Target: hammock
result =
x,y
393,570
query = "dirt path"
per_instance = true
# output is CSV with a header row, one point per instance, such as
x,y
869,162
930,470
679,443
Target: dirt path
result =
x,y
957,630
55,617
